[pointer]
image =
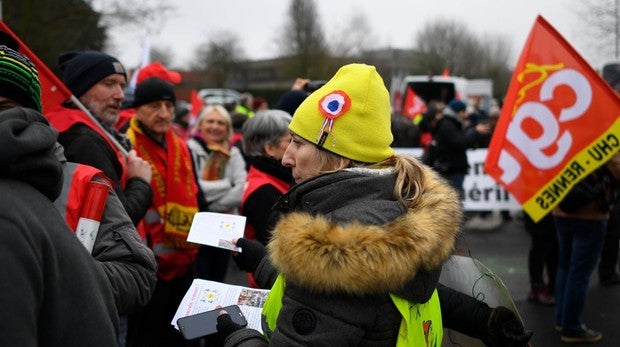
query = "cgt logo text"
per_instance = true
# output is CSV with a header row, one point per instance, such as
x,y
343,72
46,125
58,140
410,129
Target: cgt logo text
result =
x,y
548,148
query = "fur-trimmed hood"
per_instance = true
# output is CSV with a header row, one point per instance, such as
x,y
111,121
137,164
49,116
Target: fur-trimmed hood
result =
x,y
365,242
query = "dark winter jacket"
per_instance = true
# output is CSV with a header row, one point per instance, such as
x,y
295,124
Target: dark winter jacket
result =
x,y
51,290
344,244
257,206
448,151
85,146
120,252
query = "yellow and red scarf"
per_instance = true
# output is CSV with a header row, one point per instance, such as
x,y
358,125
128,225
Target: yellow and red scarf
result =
x,y
174,187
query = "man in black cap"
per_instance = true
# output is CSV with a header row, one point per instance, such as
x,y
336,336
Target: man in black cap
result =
x,y
98,81
169,217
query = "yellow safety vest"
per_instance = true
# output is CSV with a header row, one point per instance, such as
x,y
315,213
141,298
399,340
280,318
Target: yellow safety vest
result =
x,y
421,324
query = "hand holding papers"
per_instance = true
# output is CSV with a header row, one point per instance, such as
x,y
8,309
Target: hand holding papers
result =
x,y
216,229
205,295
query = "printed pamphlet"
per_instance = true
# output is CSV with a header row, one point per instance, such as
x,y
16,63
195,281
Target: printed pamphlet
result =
x,y
205,295
216,229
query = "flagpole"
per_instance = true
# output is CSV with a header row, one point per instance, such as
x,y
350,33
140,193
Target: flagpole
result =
x,y
146,59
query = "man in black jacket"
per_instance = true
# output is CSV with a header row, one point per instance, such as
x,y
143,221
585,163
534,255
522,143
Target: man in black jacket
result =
x,y
98,81
451,139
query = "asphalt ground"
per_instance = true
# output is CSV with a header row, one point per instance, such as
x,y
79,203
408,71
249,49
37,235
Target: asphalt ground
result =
x,y
503,247
504,250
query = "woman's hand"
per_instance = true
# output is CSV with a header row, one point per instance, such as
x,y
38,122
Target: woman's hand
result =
x,y
225,325
251,255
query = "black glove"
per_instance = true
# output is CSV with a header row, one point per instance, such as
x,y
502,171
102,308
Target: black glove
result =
x,y
506,330
225,326
252,253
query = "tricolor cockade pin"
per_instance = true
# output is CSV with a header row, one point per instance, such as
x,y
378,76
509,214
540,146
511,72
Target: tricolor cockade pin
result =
x,y
332,106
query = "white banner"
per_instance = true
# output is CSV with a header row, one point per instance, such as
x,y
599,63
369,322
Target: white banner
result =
x,y
481,191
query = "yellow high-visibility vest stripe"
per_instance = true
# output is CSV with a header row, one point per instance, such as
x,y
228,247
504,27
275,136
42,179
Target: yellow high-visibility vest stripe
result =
x,y
421,324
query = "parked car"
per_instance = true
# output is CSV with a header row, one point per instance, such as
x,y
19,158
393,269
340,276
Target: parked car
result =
x,y
219,96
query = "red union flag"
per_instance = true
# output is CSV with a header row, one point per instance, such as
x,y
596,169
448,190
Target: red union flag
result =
x,y
196,103
414,105
53,91
560,121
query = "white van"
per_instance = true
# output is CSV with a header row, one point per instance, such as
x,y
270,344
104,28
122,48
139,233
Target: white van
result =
x,y
441,88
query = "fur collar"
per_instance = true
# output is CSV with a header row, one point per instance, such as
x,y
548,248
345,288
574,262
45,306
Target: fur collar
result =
x,y
325,256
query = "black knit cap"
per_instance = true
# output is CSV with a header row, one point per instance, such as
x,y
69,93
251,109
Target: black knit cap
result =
x,y
290,101
153,89
19,79
82,70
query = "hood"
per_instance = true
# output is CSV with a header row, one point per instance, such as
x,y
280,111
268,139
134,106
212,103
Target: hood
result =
x,y
326,256
27,144
449,114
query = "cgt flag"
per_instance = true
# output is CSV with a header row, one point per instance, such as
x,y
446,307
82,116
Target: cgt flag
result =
x,y
560,121
53,91
414,105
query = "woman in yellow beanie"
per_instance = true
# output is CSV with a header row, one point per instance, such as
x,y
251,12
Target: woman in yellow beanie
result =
x,y
354,259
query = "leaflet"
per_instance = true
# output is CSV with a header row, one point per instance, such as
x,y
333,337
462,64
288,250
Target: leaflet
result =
x,y
205,295
216,229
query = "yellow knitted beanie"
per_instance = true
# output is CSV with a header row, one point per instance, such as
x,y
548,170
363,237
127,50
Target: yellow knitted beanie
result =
x,y
349,115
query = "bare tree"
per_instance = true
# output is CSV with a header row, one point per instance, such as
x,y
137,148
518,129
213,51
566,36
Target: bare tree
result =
x,y
353,39
302,39
52,27
219,56
448,44
494,63
134,21
445,44
162,55
144,15
602,26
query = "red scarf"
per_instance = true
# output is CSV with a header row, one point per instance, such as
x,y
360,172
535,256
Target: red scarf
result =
x,y
65,118
174,187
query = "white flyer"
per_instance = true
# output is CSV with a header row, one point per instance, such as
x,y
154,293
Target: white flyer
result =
x,y
205,295
216,229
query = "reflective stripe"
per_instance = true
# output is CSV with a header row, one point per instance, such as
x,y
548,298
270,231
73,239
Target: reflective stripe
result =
x,y
161,249
272,306
152,216
421,324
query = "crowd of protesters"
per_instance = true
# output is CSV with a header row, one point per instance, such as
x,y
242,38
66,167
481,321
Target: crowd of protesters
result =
x,y
347,234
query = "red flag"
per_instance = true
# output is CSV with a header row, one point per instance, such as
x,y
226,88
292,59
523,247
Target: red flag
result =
x,y
560,121
414,105
196,102
53,91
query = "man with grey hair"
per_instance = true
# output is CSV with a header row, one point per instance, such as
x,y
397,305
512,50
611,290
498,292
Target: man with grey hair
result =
x,y
98,81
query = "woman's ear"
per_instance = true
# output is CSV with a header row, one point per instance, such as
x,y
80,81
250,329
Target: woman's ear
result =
x,y
270,150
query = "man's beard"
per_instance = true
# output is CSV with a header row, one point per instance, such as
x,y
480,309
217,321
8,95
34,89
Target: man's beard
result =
x,y
101,111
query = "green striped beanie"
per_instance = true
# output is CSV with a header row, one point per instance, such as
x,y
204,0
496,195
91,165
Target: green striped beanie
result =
x,y
19,79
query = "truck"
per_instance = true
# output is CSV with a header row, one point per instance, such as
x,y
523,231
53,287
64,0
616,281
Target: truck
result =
x,y
411,94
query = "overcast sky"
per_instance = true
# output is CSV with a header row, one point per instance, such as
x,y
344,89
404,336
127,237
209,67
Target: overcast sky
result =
x,y
393,23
